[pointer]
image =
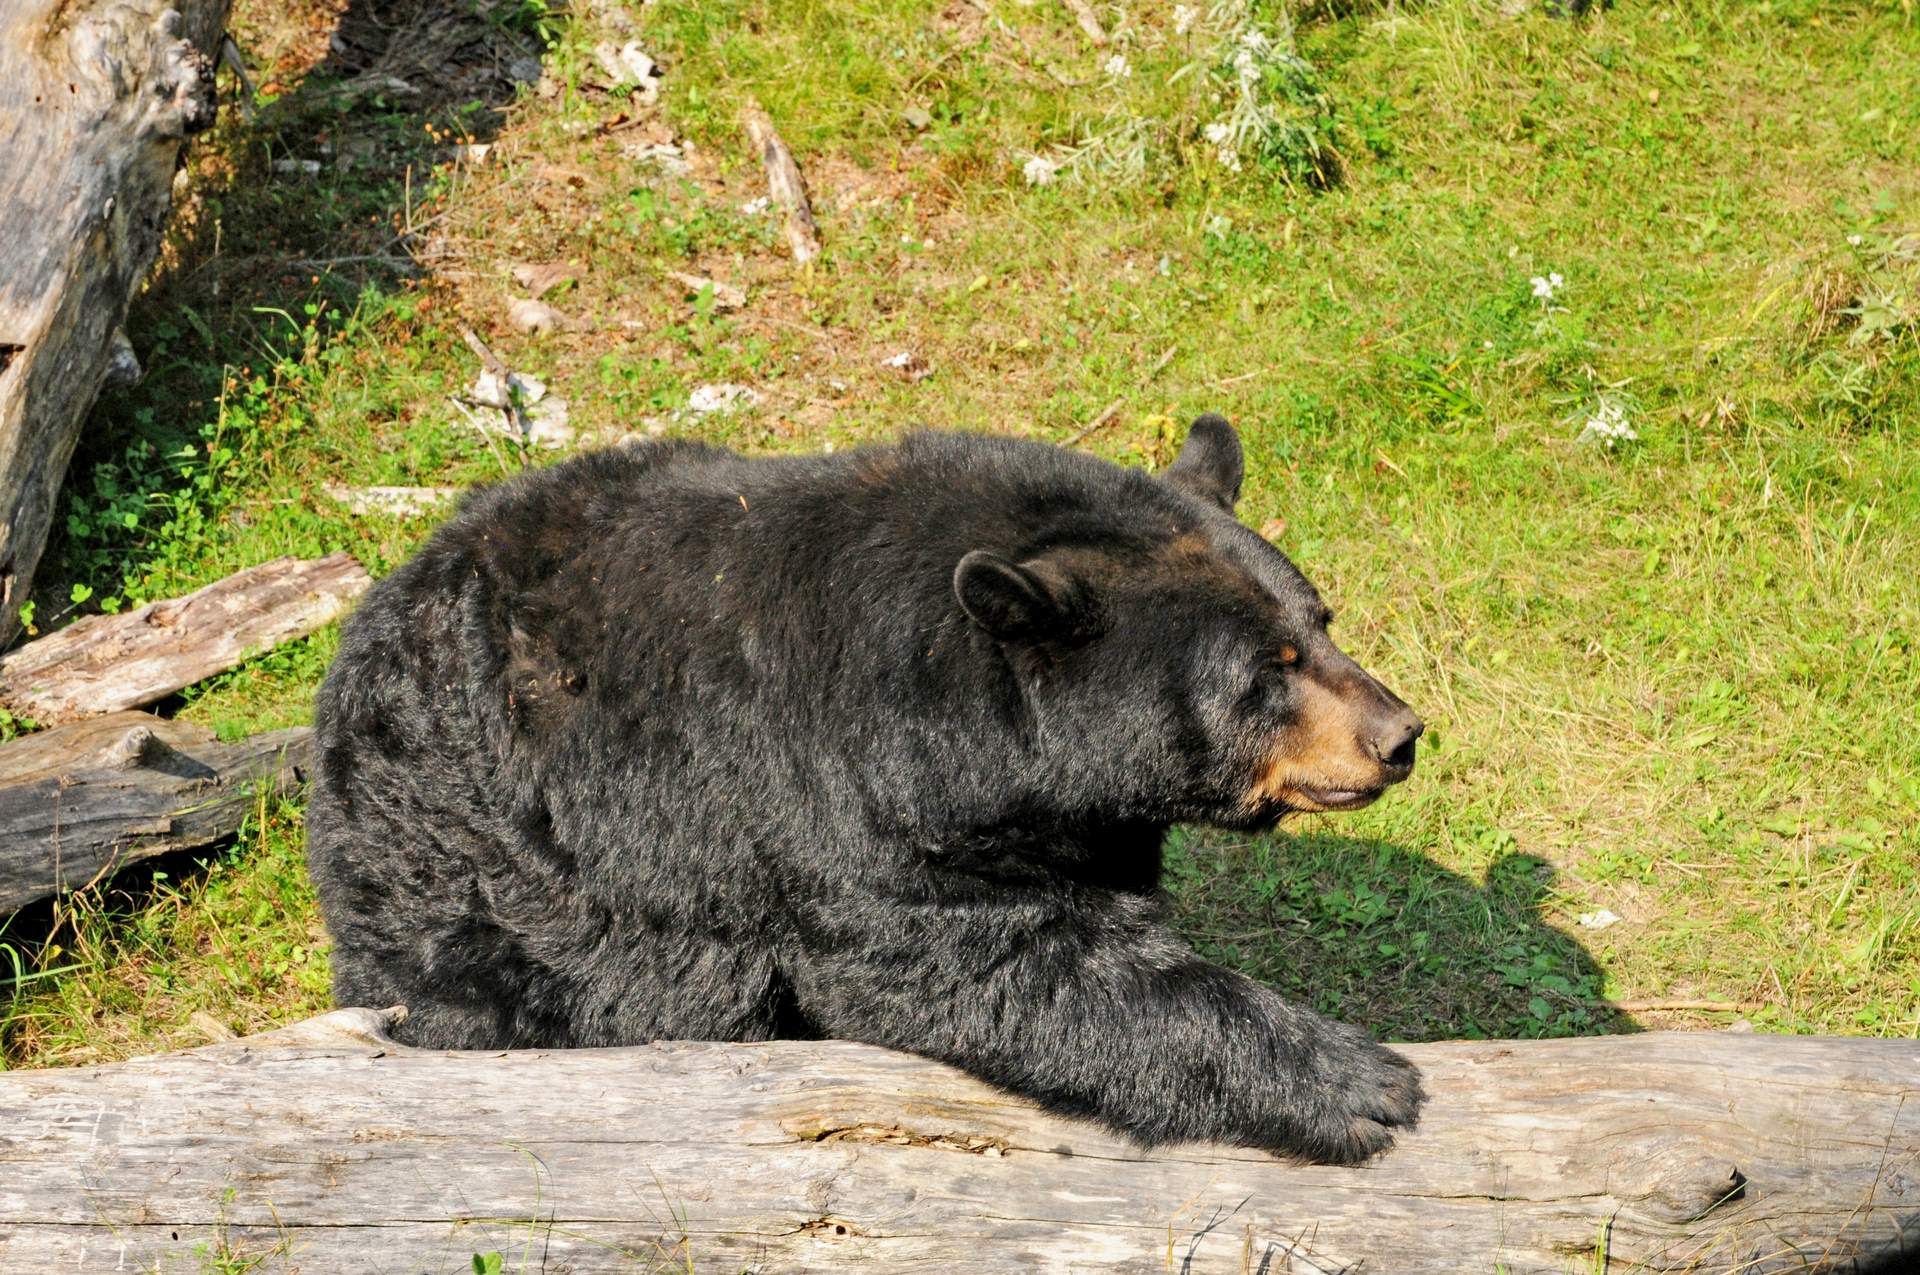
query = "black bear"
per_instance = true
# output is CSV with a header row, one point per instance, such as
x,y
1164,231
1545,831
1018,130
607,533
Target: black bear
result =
x,y
664,742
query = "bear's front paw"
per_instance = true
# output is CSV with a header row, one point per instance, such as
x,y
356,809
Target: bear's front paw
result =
x,y
1352,1097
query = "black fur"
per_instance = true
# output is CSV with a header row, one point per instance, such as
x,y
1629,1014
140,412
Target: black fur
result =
x,y
668,743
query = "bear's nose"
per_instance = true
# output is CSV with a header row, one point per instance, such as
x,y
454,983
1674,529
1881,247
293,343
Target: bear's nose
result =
x,y
1393,741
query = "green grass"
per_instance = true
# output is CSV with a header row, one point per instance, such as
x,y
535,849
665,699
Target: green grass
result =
x,y
1673,678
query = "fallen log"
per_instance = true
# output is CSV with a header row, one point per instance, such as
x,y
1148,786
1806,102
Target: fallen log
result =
x,y
327,1146
96,99
82,800
105,663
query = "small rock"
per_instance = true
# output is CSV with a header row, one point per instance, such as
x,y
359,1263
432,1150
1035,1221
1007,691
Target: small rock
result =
x,y
723,397
547,423
668,157
524,70
1597,920
123,365
488,391
535,316
917,118
629,64
540,279
909,365
725,295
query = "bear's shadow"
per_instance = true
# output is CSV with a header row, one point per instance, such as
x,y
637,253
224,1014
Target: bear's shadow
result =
x,y
1386,938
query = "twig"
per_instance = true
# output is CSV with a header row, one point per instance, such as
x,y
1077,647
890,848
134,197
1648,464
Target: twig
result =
x,y
784,183
1112,409
486,435
1703,1007
488,359
1107,413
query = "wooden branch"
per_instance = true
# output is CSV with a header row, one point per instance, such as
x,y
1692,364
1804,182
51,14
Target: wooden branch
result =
x,y
82,800
96,99
109,662
1089,24
328,1147
784,184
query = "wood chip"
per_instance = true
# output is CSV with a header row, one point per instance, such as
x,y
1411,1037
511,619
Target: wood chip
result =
x,y
1083,14
405,501
535,317
540,279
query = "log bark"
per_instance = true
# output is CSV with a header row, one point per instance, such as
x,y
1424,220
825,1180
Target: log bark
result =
x,y
328,1147
106,663
96,99
83,800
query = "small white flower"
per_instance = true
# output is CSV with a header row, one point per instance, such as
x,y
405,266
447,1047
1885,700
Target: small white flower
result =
x,y
1183,16
754,207
1246,66
1542,287
1608,425
1165,267
1253,40
1229,159
1117,67
1855,240
1218,226
1218,132
1038,171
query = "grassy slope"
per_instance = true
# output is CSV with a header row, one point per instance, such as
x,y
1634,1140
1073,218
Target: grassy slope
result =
x,y
1674,680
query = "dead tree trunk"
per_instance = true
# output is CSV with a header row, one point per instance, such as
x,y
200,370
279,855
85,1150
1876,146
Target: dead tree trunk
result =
x,y
80,801
328,1147
96,97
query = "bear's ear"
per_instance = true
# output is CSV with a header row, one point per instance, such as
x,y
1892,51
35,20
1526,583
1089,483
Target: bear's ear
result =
x,y
1014,602
1209,465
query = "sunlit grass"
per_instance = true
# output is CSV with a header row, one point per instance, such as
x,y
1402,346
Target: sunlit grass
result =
x,y
1673,679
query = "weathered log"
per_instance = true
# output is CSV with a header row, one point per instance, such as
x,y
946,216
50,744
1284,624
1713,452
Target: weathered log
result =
x,y
82,800
785,185
105,663
96,98
328,1147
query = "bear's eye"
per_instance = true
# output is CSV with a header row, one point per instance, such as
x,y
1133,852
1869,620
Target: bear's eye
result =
x,y
1270,677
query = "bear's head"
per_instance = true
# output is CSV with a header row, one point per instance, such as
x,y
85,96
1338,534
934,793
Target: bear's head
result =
x,y
1176,666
